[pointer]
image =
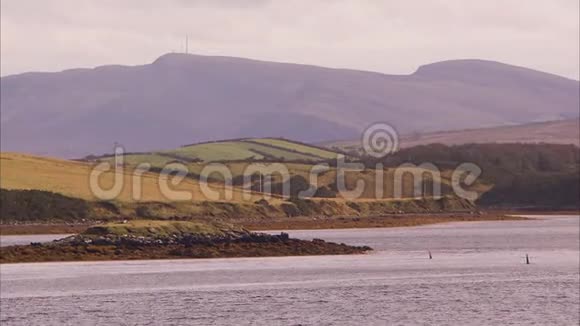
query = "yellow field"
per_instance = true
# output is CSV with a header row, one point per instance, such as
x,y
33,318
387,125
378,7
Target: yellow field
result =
x,y
71,178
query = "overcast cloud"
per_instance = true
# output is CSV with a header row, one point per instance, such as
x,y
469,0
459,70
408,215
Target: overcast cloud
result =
x,y
386,36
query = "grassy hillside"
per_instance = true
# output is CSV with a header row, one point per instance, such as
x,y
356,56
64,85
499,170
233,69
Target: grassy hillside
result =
x,y
254,149
71,178
296,147
46,189
299,159
513,174
39,188
37,205
241,150
21,206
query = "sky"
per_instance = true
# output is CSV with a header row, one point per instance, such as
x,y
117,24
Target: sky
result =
x,y
386,36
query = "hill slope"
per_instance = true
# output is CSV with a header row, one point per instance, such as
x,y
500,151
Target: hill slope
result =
x,y
40,189
551,132
70,178
230,151
82,111
522,175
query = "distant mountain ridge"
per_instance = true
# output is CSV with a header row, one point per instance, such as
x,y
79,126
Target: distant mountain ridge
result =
x,y
182,98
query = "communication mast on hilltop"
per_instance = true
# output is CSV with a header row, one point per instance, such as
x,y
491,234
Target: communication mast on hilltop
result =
x,y
186,44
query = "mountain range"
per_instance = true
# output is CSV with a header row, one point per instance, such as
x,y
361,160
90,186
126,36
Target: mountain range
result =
x,y
182,98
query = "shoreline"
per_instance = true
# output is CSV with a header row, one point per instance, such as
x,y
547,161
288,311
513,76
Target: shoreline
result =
x,y
259,244
386,221
40,229
308,223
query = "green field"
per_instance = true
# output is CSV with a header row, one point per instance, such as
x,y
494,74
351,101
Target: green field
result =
x,y
255,149
153,159
293,146
219,151
249,149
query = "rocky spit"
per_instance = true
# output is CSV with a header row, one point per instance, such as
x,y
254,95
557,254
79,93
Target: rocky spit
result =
x,y
173,239
233,243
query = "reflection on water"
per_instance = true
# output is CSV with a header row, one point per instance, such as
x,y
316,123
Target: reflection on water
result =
x,y
477,276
